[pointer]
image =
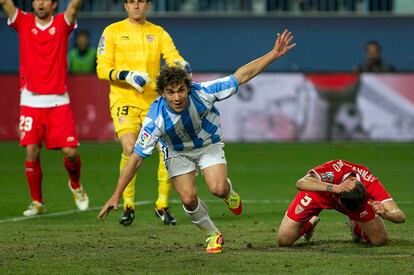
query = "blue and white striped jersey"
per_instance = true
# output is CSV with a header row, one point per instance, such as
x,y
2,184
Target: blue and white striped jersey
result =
x,y
195,127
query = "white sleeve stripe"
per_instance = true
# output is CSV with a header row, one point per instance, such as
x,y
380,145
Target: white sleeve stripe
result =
x,y
68,22
13,19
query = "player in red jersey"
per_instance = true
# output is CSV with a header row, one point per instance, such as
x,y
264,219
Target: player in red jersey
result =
x,y
45,113
348,188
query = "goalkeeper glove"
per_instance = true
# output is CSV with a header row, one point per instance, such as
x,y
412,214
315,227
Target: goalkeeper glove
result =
x,y
135,78
184,65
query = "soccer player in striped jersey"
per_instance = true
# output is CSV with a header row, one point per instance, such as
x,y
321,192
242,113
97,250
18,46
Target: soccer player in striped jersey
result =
x,y
186,123
347,187
129,56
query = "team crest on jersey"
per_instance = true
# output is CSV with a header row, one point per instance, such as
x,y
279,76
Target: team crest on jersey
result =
x,y
299,209
70,139
121,120
327,177
144,138
101,45
34,31
22,134
52,31
150,37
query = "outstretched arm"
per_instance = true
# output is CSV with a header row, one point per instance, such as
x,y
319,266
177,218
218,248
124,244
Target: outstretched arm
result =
x,y
72,10
311,183
281,47
8,7
125,177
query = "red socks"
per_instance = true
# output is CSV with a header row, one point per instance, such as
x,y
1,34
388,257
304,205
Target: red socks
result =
x,y
73,169
34,179
308,227
358,231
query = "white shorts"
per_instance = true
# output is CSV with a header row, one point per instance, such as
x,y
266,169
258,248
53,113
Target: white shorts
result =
x,y
180,163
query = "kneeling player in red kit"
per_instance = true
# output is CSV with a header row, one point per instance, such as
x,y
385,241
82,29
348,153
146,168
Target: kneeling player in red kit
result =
x,y
348,188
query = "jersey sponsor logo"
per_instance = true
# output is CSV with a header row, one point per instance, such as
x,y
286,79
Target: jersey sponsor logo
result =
x,y
150,38
144,138
34,31
299,209
327,177
52,31
101,45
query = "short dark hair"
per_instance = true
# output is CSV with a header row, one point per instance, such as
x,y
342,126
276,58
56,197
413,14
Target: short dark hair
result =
x,y
170,76
353,199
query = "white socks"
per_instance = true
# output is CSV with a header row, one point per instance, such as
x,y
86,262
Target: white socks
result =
x,y
201,219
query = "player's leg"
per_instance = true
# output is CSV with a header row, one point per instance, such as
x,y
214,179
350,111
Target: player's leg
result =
x,y
72,163
61,134
375,231
127,123
289,231
197,210
300,219
213,163
164,187
31,136
127,138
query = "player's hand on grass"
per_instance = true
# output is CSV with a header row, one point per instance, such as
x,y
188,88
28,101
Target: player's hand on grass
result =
x,y
283,43
137,80
112,203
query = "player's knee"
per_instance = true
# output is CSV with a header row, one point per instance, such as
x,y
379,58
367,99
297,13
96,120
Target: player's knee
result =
x,y
127,150
379,240
219,188
32,152
190,202
284,241
70,153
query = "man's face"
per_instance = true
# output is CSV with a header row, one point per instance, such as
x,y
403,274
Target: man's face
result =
x,y
82,41
43,8
373,53
137,9
176,96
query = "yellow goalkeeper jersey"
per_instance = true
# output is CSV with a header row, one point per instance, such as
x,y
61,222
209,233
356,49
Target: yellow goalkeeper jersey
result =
x,y
125,46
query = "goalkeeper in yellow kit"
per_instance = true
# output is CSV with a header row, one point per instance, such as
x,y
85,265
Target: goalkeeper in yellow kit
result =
x,y
129,56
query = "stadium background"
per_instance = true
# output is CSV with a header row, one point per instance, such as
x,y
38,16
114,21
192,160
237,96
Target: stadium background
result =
x,y
309,107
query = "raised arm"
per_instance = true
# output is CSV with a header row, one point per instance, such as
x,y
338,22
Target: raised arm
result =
x,y
281,47
311,183
125,177
8,7
72,10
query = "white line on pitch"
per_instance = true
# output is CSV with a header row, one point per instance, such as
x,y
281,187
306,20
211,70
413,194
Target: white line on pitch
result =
x,y
96,208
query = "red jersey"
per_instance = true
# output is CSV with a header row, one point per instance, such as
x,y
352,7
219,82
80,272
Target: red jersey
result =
x,y
43,50
336,171
307,204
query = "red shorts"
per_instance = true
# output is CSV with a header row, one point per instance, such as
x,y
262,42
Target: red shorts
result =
x,y
308,204
55,125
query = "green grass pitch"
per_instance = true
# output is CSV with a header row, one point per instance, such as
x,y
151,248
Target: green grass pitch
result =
x,y
66,241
